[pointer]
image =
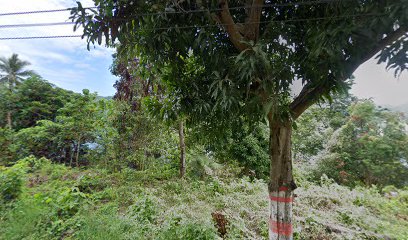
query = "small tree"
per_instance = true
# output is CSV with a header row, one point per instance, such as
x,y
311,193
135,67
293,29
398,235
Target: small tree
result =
x,y
65,138
77,119
134,127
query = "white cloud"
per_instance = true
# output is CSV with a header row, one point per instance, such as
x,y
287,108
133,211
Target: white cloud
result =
x,y
6,50
48,56
85,66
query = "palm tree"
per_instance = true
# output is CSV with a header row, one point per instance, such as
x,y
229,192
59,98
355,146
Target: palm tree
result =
x,y
12,73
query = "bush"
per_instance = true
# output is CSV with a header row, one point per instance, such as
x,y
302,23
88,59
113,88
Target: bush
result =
x,y
91,182
69,201
7,148
10,184
248,146
201,166
11,180
144,210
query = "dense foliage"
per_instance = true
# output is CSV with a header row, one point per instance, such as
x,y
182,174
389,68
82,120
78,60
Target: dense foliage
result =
x,y
349,140
245,50
51,201
233,60
127,161
370,148
213,73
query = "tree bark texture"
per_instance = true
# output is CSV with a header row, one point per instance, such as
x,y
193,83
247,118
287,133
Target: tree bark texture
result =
x,y
182,149
72,152
281,183
9,119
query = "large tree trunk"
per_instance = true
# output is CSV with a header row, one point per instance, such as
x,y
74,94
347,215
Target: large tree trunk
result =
x,y
281,184
182,149
9,119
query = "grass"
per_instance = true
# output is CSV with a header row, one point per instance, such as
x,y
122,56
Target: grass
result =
x,y
63,203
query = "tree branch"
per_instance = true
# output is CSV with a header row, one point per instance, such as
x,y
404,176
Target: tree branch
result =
x,y
251,31
240,32
388,40
310,94
224,18
305,99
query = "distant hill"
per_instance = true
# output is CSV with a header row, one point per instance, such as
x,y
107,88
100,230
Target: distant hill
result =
x,y
400,108
107,97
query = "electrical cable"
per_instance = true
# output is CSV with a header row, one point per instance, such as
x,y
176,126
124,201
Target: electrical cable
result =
x,y
39,11
35,25
191,26
39,37
165,28
193,11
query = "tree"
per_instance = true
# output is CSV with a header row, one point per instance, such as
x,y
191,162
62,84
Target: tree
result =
x,y
368,149
12,72
32,100
36,99
35,105
134,128
43,140
252,51
77,119
166,106
67,137
317,124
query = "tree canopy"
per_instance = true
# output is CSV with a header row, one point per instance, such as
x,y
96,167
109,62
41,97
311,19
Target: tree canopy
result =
x,y
255,50
12,70
249,54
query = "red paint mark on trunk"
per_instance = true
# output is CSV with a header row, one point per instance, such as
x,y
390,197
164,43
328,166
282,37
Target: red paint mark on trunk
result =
x,y
281,199
283,188
281,228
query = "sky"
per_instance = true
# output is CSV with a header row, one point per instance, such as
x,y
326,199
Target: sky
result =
x,y
68,64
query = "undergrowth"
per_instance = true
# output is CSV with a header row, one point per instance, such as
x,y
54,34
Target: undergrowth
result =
x,y
51,201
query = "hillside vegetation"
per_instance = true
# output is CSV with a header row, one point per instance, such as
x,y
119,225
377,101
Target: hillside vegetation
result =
x,y
52,201
112,172
139,166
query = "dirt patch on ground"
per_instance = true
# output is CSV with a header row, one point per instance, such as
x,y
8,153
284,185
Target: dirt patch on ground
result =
x,y
37,180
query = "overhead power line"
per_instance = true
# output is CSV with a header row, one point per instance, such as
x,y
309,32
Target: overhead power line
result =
x,y
193,11
195,26
36,25
39,37
208,25
39,11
